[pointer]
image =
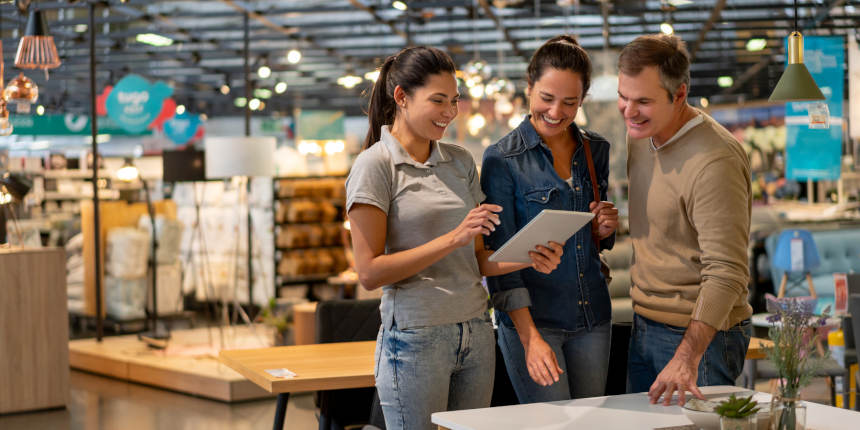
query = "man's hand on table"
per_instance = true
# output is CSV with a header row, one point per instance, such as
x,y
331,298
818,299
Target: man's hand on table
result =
x,y
679,375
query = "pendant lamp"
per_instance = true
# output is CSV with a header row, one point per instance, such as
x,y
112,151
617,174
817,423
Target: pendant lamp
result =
x,y
36,50
5,125
796,84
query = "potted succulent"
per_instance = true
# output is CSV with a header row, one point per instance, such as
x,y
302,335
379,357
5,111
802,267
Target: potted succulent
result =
x,y
737,413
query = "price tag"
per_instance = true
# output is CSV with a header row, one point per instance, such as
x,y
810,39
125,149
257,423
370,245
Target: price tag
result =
x,y
840,292
819,115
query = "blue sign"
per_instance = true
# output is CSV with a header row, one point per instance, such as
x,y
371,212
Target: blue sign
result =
x,y
181,128
134,102
817,153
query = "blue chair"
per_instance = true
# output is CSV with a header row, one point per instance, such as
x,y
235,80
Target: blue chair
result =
x,y
796,255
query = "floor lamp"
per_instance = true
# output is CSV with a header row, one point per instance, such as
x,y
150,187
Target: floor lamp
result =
x,y
227,157
154,336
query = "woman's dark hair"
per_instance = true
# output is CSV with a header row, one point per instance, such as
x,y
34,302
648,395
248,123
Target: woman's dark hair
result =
x,y
563,53
410,69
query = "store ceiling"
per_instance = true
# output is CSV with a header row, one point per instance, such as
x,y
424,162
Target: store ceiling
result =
x,y
340,36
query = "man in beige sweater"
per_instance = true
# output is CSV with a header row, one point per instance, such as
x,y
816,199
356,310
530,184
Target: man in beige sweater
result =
x,y
689,222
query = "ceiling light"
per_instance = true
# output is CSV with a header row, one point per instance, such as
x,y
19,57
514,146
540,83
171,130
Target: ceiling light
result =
x,y
399,5
476,91
264,72
372,75
725,81
153,39
40,110
180,109
128,172
294,56
515,121
796,84
81,28
280,87
36,49
263,93
667,28
254,104
475,123
334,147
349,81
756,44
704,102
225,89
239,102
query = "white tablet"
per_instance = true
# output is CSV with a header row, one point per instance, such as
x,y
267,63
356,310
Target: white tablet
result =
x,y
548,225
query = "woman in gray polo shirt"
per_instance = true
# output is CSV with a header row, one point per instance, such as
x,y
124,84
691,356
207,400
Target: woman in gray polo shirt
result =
x,y
417,226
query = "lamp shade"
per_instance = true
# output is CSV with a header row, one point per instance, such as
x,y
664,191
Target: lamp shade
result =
x,y
36,49
796,85
796,251
239,156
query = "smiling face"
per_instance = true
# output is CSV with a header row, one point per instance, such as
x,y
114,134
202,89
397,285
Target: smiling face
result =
x,y
646,107
553,102
428,111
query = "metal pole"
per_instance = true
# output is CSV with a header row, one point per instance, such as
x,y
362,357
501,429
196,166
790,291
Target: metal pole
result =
x,y
94,129
248,180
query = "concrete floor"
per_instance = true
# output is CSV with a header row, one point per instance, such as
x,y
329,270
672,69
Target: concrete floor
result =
x,y
103,403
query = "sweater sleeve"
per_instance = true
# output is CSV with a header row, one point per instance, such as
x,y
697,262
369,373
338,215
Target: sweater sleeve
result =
x,y
719,208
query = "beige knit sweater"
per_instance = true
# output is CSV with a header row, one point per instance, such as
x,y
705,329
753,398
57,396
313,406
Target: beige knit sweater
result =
x,y
690,205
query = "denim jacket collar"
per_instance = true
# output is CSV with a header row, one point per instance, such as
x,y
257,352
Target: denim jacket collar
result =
x,y
400,156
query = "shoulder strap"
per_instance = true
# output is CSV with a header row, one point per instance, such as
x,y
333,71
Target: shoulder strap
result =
x,y
590,161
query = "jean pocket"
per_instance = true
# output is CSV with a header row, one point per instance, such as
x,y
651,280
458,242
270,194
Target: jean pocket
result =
x,y
539,199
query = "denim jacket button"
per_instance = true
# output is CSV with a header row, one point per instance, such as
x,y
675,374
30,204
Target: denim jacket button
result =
x,y
578,246
577,188
543,198
581,274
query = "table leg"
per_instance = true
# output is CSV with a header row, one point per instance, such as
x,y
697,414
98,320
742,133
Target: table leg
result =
x,y
281,411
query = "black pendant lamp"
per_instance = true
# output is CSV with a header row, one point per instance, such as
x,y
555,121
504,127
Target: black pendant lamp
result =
x,y
796,84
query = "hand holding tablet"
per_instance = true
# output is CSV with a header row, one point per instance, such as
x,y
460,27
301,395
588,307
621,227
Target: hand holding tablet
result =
x,y
548,225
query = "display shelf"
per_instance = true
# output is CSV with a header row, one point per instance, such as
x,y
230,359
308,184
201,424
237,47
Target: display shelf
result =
x,y
308,220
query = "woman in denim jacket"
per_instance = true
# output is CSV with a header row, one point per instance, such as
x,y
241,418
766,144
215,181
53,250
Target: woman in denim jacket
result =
x,y
554,328
414,205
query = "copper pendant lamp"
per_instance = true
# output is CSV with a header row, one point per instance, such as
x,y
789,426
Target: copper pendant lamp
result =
x,y
5,125
37,50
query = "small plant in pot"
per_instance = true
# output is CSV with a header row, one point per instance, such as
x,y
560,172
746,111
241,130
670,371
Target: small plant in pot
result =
x,y
280,318
737,413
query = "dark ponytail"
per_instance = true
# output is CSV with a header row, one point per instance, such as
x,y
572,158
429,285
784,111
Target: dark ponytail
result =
x,y
562,52
409,69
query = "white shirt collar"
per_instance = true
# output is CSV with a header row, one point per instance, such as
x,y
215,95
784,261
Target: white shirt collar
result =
x,y
685,128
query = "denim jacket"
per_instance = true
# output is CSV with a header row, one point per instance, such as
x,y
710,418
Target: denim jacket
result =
x,y
517,174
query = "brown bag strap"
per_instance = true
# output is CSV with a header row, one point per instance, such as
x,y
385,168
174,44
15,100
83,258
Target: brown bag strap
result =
x,y
590,161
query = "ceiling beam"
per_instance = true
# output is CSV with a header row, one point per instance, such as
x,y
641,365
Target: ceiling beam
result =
x,y
716,12
377,18
501,27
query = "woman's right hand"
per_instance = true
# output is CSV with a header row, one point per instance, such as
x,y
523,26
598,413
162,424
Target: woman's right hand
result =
x,y
541,361
481,220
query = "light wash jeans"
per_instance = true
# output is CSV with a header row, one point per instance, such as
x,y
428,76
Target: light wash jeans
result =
x,y
582,355
653,344
433,369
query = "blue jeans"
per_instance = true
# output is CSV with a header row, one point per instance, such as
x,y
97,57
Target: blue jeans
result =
x,y
433,369
582,355
653,344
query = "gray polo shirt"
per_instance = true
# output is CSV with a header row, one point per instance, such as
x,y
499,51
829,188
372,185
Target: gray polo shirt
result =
x,y
423,202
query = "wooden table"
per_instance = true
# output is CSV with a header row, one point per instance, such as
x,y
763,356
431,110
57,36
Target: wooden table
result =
x,y
756,350
329,366
625,411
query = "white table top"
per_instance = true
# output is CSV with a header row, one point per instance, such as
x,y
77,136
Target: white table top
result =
x,y
626,411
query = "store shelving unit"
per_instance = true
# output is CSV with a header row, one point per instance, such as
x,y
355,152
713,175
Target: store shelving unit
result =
x,y
308,225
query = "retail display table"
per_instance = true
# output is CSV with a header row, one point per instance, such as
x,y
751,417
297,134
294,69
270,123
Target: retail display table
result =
x,y
625,411
329,366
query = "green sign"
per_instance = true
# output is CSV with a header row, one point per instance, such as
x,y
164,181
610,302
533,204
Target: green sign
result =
x,y
321,125
65,125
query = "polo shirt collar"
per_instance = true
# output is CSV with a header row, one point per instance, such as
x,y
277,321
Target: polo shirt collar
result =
x,y
400,156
